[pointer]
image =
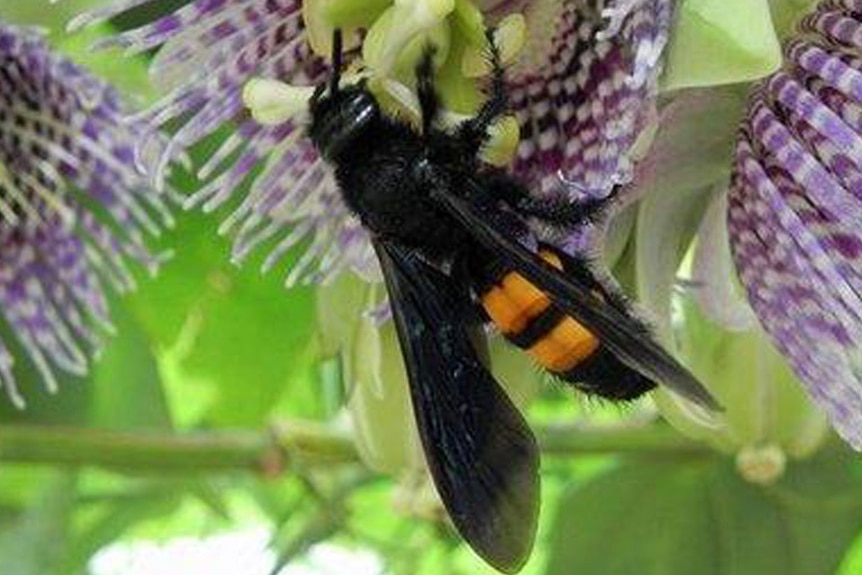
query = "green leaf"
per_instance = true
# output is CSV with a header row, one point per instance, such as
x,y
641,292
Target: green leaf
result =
x,y
721,42
241,335
69,406
43,13
822,504
624,509
127,387
35,542
681,517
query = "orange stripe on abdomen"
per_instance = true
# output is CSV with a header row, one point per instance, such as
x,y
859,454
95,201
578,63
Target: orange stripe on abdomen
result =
x,y
514,302
526,316
564,347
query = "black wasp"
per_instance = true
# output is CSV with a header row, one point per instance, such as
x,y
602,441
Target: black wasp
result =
x,y
452,237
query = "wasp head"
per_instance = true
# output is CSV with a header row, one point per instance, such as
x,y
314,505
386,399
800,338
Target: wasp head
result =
x,y
340,115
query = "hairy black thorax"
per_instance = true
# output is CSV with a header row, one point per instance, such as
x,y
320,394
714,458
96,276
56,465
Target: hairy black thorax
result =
x,y
386,174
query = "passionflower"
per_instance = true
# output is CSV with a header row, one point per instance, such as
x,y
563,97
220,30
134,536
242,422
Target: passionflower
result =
x,y
795,209
582,77
74,209
208,50
584,87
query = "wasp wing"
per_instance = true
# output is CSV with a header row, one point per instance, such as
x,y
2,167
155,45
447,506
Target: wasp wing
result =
x,y
481,453
626,337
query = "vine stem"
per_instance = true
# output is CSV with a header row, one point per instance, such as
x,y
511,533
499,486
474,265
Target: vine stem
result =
x,y
653,439
269,452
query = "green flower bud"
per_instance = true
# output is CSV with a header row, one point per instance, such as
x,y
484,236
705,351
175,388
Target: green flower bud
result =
x,y
768,417
378,396
706,321
378,401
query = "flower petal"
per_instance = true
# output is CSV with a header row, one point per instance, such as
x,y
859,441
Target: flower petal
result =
x,y
740,30
713,286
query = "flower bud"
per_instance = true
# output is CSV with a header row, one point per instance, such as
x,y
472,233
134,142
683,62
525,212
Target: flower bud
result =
x,y
761,465
768,418
377,388
378,400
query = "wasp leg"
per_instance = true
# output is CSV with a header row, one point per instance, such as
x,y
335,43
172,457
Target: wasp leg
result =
x,y
561,212
474,132
429,100
555,211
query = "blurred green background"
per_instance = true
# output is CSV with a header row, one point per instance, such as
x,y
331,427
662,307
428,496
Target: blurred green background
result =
x,y
218,414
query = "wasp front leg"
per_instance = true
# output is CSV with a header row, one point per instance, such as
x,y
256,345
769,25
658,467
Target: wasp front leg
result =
x,y
429,100
474,132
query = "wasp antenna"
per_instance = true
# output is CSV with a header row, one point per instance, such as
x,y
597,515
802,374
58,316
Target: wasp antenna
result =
x,y
337,57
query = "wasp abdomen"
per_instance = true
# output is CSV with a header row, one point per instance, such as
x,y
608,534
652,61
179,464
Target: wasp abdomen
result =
x,y
527,317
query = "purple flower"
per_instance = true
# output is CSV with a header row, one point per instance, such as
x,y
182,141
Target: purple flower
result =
x,y
583,89
581,94
209,49
795,209
74,208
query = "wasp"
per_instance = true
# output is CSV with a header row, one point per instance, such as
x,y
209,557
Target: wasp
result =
x,y
452,237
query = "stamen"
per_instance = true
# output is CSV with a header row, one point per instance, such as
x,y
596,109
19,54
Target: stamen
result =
x,y
400,24
272,102
510,37
504,137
